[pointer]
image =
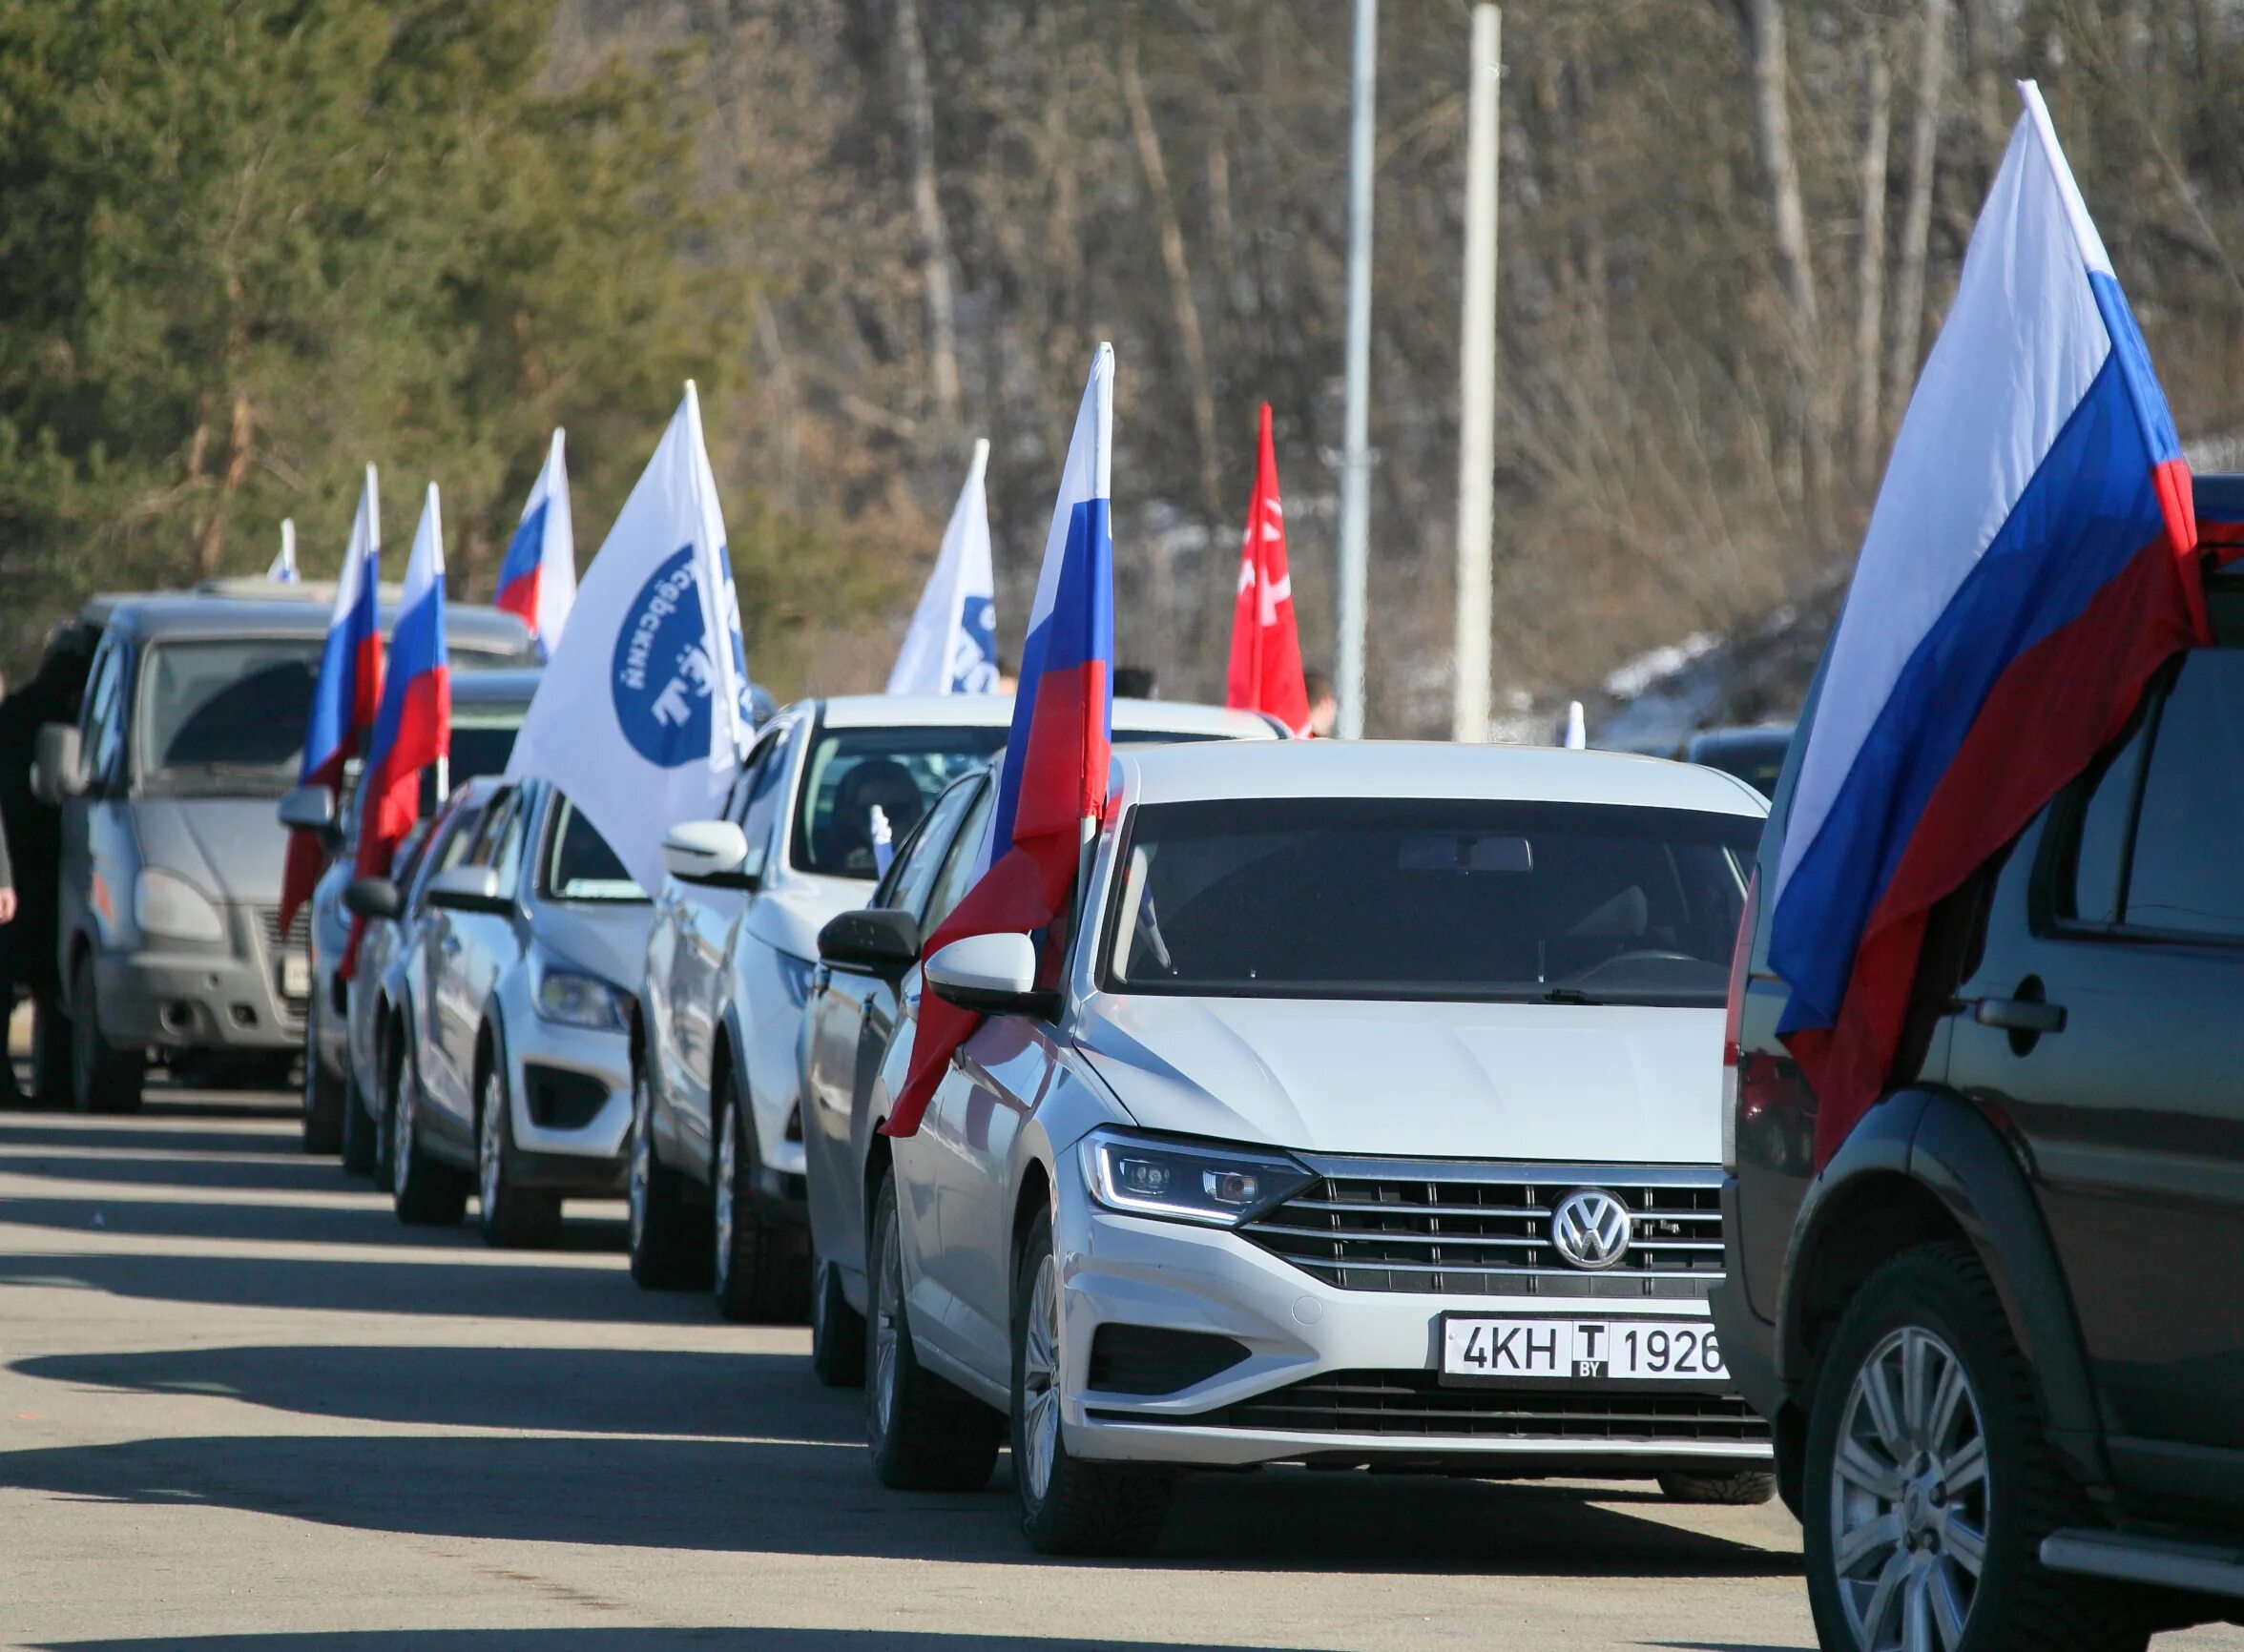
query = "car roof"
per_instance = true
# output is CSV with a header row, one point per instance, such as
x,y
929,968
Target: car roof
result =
x,y
506,686
210,613
996,710
1426,769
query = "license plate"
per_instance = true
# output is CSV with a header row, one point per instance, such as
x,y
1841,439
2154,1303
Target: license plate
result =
x,y
1478,1350
296,977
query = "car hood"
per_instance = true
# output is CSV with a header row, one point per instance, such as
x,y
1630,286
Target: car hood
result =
x,y
789,916
1589,1083
231,848
608,938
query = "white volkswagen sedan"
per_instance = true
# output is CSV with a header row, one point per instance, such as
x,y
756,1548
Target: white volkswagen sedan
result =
x,y
1374,1120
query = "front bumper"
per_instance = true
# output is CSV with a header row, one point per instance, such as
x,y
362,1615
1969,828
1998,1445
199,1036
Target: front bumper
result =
x,y
1335,1375
569,1089
194,999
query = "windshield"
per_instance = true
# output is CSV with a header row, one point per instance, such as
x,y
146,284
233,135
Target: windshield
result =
x,y
226,717
1438,899
899,770
579,865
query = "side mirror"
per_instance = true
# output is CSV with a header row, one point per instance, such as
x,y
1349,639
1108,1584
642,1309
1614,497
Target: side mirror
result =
x,y
711,853
877,940
372,898
310,809
58,765
990,975
468,889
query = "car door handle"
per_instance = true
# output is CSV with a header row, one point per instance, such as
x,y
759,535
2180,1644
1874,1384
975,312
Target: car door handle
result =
x,y
2026,1015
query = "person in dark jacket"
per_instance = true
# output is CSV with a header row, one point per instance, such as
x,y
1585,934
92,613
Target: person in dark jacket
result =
x,y
34,831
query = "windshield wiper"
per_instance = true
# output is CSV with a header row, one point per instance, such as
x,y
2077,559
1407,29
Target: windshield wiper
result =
x,y
1564,995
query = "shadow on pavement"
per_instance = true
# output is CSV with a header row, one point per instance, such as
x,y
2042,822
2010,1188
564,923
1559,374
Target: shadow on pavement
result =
x,y
136,1135
367,1220
561,1389
776,1497
559,1290
208,1165
761,1640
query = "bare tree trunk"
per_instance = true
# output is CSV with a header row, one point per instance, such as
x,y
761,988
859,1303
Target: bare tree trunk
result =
x,y
1219,219
1187,310
1932,70
943,369
212,543
1795,271
1870,261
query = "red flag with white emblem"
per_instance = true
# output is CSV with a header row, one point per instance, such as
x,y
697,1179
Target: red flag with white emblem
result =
x,y
1265,673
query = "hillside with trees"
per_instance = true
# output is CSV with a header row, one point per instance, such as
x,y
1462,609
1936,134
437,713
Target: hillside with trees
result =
x,y
238,263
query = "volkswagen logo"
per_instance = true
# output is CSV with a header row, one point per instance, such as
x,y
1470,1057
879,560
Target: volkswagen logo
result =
x,y
1590,1229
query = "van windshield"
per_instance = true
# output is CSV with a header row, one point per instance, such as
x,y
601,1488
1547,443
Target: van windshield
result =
x,y
1376,898
226,718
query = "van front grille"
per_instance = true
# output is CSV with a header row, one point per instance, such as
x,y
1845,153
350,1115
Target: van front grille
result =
x,y
1415,1403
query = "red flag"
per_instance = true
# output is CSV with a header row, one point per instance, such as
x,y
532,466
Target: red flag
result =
x,y
1265,673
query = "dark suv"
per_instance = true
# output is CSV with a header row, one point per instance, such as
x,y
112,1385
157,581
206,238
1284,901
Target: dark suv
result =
x,y
2001,1333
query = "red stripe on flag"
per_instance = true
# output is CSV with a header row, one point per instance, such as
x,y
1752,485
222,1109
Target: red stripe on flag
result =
x,y
2044,722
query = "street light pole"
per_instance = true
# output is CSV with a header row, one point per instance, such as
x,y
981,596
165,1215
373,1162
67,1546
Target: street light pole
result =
x,y
1476,424
1355,452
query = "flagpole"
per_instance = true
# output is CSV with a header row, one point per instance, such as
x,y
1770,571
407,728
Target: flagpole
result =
x,y
1476,423
1356,452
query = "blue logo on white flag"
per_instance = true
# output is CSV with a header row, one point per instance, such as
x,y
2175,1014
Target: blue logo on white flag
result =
x,y
664,676
973,647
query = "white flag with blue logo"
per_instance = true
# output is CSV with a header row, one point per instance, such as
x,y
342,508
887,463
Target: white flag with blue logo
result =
x,y
284,565
642,711
951,648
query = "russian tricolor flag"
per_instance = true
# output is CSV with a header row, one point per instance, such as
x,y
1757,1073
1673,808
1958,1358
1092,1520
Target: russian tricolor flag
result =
x,y
414,727
1053,780
347,692
537,577
2030,564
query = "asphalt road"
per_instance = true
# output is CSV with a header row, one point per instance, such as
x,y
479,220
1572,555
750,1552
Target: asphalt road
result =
x,y
241,1407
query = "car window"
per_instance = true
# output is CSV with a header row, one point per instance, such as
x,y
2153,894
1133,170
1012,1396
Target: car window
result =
x,y
102,716
914,874
1430,899
899,770
446,848
760,806
2184,875
2092,891
226,715
484,850
579,865
959,867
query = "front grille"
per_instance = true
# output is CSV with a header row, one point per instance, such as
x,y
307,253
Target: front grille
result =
x,y
277,941
1415,1403
1147,1359
1464,1230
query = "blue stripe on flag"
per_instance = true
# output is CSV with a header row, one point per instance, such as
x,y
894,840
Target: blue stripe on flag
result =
x,y
2089,508
1078,627
527,549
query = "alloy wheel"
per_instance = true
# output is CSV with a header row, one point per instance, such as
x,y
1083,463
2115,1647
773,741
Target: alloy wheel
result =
x,y
1040,1381
641,1161
400,1144
488,1143
728,1164
1909,1497
887,1306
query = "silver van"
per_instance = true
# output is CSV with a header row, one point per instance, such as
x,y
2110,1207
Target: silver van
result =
x,y
191,728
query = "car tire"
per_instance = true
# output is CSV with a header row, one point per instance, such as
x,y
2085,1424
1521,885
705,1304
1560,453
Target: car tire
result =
x,y
1068,1505
427,1193
362,1134
50,1052
323,1097
1880,1458
669,1243
760,1271
103,1078
1729,1491
510,1216
837,1329
922,1434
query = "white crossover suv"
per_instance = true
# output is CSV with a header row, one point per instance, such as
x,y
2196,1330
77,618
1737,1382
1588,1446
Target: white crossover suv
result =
x,y
1374,1120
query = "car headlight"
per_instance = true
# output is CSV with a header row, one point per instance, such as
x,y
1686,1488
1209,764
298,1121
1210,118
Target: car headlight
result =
x,y
795,975
1215,1184
571,998
164,904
